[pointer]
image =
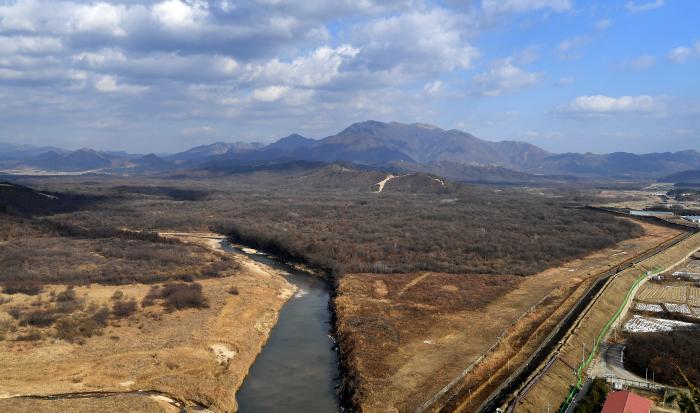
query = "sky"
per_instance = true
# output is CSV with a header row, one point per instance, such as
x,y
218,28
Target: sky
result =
x,y
163,76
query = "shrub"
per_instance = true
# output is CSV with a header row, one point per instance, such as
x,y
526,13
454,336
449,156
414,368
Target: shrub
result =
x,y
22,287
14,312
39,318
101,317
118,295
122,309
31,335
73,329
180,296
594,399
233,291
67,295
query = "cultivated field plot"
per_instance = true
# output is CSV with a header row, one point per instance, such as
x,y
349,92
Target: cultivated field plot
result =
x,y
653,308
694,296
659,294
641,324
677,308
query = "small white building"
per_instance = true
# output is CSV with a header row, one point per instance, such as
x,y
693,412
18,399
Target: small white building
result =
x,y
692,218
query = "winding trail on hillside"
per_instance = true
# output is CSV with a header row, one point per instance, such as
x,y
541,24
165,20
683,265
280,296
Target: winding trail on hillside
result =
x,y
383,182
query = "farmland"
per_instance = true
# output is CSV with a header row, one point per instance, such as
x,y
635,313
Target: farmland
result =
x,y
556,383
655,293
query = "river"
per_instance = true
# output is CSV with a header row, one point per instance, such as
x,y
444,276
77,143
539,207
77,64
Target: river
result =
x,y
296,370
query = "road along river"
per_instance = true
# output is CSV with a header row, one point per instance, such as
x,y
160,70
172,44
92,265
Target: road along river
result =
x,y
297,369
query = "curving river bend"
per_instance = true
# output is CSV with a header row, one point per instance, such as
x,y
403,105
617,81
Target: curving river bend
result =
x,y
297,369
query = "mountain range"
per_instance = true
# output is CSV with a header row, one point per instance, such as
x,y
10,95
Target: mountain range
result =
x,y
389,146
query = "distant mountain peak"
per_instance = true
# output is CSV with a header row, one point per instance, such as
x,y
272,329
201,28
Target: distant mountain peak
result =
x,y
292,142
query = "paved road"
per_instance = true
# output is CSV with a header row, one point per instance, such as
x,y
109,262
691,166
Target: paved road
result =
x,y
610,363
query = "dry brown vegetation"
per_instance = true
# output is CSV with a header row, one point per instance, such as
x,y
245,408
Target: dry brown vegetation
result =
x,y
32,261
438,285
408,336
96,347
346,227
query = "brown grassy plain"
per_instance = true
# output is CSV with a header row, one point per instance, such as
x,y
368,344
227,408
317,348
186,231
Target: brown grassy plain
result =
x,y
194,355
405,343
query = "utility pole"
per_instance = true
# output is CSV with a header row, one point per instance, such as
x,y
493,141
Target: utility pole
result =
x,y
646,375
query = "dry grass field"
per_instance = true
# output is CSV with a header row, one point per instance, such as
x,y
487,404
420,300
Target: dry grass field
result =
x,y
194,355
409,335
555,385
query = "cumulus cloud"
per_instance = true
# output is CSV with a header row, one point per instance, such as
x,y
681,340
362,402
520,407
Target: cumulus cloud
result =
x,y
270,93
601,105
682,53
638,7
516,6
431,40
502,78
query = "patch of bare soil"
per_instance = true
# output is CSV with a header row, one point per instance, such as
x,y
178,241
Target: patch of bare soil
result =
x,y
405,337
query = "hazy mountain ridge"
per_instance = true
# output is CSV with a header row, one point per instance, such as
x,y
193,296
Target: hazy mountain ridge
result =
x,y
389,146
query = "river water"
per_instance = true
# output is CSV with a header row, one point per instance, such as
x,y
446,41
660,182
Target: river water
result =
x,y
296,370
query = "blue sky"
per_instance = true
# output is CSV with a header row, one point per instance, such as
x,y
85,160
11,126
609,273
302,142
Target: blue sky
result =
x,y
161,76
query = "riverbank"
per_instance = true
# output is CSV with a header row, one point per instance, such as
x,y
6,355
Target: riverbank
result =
x,y
198,356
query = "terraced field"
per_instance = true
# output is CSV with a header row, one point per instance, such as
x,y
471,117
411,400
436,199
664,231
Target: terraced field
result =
x,y
659,294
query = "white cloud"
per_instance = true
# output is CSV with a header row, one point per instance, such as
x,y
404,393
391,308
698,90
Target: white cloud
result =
x,y
177,15
503,77
433,88
29,45
519,6
682,53
317,69
270,93
426,41
171,66
598,105
110,84
98,18
638,7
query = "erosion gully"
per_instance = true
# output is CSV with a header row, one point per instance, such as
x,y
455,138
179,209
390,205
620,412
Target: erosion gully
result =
x,y
297,369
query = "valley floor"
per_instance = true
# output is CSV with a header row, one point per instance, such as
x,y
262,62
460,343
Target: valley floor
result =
x,y
405,337
194,356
